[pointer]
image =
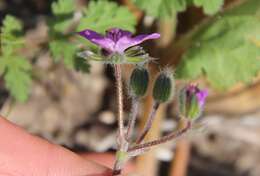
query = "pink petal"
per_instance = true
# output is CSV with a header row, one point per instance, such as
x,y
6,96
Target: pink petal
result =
x,y
126,41
98,39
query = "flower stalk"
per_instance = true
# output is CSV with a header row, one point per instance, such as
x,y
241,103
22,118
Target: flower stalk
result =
x,y
121,156
148,123
132,120
118,76
163,139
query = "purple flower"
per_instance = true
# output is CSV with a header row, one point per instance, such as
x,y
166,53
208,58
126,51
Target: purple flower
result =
x,y
116,40
201,95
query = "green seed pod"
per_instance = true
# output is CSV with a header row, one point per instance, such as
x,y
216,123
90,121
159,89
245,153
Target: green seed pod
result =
x,y
164,87
139,81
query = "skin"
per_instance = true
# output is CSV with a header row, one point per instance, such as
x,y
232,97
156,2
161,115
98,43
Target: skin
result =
x,y
22,154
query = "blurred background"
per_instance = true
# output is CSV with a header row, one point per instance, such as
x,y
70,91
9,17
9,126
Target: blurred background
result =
x,y
49,91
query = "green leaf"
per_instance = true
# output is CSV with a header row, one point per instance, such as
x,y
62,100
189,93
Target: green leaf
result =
x,y
210,7
63,13
61,49
102,15
161,8
11,34
63,7
18,78
226,50
168,8
81,64
14,68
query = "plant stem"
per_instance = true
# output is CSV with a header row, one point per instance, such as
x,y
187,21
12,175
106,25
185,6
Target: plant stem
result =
x,y
118,76
117,168
133,116
149,123
122,143
164,139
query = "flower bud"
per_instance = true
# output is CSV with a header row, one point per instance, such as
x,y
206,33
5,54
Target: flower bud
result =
x,y
139,81
191,101
163,87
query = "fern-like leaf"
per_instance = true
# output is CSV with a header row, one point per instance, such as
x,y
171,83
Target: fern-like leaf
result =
x,y
14,68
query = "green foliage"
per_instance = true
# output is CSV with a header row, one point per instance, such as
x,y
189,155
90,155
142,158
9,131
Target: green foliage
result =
x,y
167,8
63,7
17,76
59,46
63,11
161,8
102,15
226,50
61,49
210,7
10,34
14,68
80,64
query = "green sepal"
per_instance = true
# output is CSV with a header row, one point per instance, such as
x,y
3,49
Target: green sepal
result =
x,y
193,111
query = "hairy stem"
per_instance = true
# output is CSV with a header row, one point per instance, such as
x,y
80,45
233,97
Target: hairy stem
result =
x,y
133,116
149,123
118,76
122,143
164,139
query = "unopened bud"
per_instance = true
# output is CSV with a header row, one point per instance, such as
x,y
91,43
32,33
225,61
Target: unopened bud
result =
x,y
163,87
191,101
139,81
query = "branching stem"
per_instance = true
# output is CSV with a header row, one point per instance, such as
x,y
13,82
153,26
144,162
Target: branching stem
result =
x,y
164,139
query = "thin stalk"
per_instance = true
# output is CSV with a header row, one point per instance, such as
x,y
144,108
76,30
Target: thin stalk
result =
x,y
133,116
122,143
164,139
118,76
149,123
